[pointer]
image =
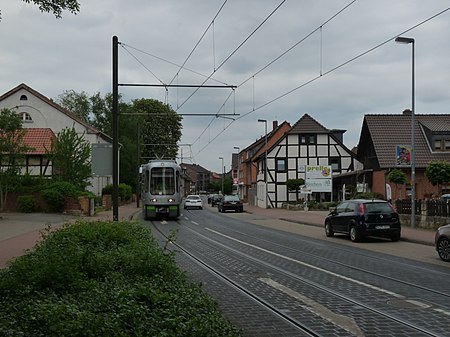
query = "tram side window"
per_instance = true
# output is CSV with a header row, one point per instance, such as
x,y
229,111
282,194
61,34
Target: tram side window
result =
x,y
162,181
146,181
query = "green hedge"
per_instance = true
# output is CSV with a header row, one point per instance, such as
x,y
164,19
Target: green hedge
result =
x,y
124,190
104,279
26,203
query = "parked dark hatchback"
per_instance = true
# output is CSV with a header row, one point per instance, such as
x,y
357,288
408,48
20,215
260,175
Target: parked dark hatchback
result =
x,y
230,203
360,217
216,199
442,242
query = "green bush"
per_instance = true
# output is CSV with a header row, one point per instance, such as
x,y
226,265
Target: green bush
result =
x,y
65,188
104,279
26,203
124,191
107,189
54,199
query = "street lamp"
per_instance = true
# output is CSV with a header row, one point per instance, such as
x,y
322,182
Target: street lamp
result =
x,y
409,40
265,160
221,158
238,164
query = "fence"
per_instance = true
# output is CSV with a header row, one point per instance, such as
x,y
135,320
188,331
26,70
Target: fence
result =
x,y
428,207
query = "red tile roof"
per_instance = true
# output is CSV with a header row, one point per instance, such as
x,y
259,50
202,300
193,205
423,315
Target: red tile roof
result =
x,y
38,139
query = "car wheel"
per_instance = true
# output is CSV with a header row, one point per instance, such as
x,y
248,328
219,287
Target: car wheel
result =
x,y
328,230
395,237
354,236
443,248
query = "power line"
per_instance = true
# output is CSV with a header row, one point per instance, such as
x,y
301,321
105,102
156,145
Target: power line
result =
x,y
229,56
198,42
297,43
322,75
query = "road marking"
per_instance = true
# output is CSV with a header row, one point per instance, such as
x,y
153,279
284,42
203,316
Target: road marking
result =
x,y
311,266
163,222
416,302
195,223
346,323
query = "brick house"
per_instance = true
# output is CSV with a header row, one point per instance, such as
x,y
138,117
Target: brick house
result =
x,y
247,179
378,149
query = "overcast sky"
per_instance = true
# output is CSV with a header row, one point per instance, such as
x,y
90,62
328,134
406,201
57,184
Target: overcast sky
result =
x,y
303,58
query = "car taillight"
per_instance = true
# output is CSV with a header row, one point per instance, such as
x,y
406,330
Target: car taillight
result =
x,y
361,209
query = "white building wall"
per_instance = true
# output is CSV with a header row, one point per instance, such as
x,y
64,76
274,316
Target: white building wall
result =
x,y
44,115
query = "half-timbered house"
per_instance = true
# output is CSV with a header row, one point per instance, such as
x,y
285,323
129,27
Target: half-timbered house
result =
x,y
307,143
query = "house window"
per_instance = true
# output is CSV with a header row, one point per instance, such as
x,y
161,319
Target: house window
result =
x,y
442,144
335,163
25,117
281,165
308,139
24,98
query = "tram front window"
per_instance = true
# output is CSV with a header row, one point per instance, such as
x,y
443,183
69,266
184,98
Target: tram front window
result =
x,y
162,181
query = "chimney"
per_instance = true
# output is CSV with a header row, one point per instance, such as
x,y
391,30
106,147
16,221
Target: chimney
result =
x,y
407,112
274,125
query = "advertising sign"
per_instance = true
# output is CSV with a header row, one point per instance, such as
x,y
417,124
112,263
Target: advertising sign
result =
x,y
318,178
403,155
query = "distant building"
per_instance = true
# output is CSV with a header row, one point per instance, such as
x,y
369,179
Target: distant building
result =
x,y
43,119
306,144
199,177
380,147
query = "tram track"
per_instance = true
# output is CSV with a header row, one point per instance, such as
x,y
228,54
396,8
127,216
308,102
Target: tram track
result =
x,y
266,305
348,266
295,278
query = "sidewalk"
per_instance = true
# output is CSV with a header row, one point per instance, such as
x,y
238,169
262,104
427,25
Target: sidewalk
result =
x,y
317,218
19,232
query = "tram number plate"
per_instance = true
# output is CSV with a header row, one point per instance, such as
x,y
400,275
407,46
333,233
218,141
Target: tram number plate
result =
x,y
383,227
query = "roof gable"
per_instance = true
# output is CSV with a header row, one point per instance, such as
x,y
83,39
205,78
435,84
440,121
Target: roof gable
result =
x,y
307,124
89,128
386,131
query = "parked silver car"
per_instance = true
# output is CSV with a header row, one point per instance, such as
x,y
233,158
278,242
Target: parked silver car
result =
x,y
442,242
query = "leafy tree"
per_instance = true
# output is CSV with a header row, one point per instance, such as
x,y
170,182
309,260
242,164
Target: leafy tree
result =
x,y
77,103
438,173
397,177
70,155
56,6
295,184
12,151
160,127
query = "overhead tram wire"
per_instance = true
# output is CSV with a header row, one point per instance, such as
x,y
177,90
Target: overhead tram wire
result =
x,y
198,42
279,57
212,120
297,43
324,74
124,45
229,56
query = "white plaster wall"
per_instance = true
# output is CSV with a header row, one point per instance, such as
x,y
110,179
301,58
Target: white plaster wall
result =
x,y
44,115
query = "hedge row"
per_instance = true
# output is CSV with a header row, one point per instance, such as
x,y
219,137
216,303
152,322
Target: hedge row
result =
x,y
104,279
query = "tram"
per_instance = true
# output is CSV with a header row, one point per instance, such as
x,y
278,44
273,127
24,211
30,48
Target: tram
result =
x,y
160,188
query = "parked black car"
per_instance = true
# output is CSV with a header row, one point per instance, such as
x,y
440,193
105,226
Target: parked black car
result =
x,y
442,242
230,203
360,217
216,199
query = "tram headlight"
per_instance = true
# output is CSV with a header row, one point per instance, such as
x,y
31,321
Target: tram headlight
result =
x,y
154,200
171,200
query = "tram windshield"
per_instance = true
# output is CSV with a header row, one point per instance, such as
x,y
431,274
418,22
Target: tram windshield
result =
x,y
162,181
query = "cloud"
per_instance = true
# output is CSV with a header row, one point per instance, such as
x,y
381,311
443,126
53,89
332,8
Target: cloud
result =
x,y
52,55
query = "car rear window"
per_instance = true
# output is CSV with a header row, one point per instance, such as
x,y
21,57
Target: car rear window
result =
x,y
232,198
378,207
